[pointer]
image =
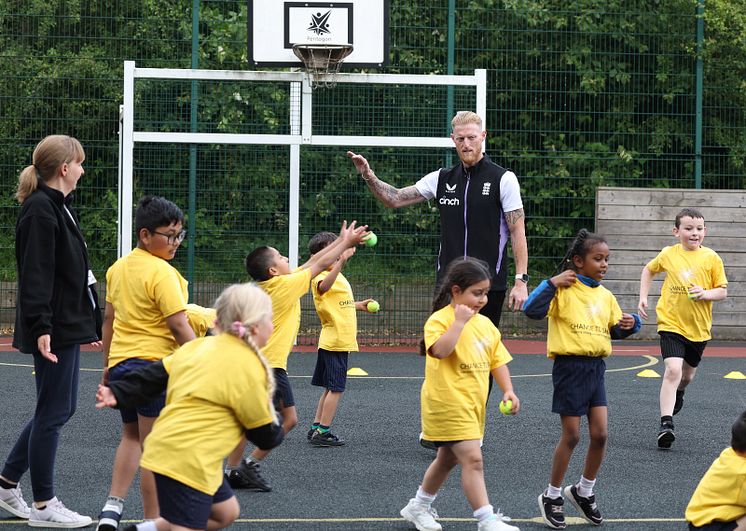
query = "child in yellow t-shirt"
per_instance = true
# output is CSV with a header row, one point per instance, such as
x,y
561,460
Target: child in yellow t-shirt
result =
x,y
285,287
694,278
336,307
462,348
219,392
583,319
145,320
719,501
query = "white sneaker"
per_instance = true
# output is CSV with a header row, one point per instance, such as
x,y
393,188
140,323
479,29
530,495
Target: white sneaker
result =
x,y
501,516
57,515
421,515
495,524
12,501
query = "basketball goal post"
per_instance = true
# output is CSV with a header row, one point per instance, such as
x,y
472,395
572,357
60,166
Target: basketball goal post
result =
x,y
301,98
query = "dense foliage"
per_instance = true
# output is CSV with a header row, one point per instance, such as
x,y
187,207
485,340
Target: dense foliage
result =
x,y
581,94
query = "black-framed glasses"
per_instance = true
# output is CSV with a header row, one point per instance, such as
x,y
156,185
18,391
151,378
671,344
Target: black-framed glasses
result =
x,y
173,238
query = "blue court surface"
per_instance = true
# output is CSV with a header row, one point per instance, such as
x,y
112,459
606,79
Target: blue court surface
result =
x,y
364,484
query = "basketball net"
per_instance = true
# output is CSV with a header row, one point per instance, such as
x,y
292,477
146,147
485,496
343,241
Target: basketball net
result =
x,y
322,62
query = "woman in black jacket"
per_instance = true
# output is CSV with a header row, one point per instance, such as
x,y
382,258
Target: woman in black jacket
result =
x,y
56,311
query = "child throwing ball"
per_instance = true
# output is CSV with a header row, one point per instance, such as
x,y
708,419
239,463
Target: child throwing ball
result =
x,y
462,348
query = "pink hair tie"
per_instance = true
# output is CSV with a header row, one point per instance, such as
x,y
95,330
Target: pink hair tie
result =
x,y
239,329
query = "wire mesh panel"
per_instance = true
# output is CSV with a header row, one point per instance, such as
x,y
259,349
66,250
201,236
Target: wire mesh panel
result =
x,y
580,96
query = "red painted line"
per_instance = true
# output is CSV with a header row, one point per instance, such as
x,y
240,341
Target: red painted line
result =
x,y
516,346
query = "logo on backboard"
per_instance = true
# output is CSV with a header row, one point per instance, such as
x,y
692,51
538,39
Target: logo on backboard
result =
x,y
320,23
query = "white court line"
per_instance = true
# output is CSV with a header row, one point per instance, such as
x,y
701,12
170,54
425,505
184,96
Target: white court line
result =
x,y
651,360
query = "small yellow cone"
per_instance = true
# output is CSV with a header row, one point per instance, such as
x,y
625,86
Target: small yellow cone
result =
x,y
648,373
735,375
356,371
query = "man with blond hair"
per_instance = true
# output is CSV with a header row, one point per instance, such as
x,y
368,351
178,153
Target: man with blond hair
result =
x,y
480,209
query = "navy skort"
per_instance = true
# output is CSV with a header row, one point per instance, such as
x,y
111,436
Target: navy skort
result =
x,y
579,385
185,506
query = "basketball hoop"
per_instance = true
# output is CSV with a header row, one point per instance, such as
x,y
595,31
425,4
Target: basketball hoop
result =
x,y
322,61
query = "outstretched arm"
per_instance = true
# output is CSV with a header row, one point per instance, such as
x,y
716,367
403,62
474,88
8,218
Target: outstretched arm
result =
x,y
517,226
326,284
390,196
348,237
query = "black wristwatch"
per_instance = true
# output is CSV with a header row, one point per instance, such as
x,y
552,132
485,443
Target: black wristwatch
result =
x,y
523,278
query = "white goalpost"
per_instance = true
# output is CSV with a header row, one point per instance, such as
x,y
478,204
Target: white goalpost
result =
x,y
301,133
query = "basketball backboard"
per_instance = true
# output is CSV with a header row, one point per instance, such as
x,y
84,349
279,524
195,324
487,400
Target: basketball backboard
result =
x,y
276,25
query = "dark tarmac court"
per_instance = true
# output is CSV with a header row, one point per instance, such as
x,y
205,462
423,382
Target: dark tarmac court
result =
x,y
364,484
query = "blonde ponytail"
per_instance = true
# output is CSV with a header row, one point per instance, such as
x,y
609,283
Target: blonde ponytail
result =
x,y
49,156
239,307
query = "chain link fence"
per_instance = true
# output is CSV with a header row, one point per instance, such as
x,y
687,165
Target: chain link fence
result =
x,y
603,94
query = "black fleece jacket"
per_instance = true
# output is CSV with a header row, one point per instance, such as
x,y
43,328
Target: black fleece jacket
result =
x,y
53,295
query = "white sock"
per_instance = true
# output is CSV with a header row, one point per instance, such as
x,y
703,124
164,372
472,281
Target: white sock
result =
x,y
114,503
425,498
484,513
148,525
554,492
585,487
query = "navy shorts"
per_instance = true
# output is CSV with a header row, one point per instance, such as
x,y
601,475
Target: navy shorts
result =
x,y
677,346
283,396
578,385
151,409
185,506
331,370
714,526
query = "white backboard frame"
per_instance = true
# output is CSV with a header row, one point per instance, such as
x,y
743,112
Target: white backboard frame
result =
x,y
301,132
276,25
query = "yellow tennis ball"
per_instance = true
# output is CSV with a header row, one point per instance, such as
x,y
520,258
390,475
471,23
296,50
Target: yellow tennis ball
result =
x,y
693,296
506,407
371,240
373,306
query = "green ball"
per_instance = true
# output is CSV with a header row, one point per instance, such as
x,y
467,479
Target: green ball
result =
x,y
371,240
693,296
373,306
506,407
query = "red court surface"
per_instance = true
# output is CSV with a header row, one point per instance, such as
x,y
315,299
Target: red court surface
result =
x,y
719,349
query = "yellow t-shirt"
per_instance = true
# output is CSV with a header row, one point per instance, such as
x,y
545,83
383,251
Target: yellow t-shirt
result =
x,y
144,290
579,321
201,319
721,493
336,309
217,389
675,311
285,292
454,393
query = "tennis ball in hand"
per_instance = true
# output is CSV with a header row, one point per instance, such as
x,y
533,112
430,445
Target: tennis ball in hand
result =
x,y
371,240
373,306
506,407
693,296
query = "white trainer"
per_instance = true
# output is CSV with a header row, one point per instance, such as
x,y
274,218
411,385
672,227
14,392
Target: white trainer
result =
x,y
55,514
421,515
495,524
12,501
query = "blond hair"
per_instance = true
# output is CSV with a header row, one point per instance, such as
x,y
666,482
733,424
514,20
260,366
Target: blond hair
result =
x,y
241,306
49,156
465,118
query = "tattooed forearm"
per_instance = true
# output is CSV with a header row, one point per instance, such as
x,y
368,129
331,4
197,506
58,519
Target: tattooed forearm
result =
x,y
513,216
394,197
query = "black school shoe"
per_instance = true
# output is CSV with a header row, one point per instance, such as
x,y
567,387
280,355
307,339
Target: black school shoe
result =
x,y
587,507
666,436
326,439
247,476
552,511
